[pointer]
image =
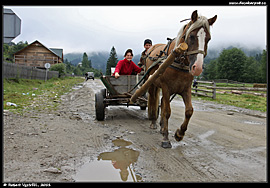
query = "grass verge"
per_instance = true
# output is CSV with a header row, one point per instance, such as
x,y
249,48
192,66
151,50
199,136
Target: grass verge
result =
x,y
243,101
25,92
247,101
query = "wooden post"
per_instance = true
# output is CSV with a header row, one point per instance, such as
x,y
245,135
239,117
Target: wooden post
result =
x,y
152,78
214,90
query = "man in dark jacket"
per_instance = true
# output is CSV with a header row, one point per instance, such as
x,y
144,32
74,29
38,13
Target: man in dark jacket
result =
x,y
147,45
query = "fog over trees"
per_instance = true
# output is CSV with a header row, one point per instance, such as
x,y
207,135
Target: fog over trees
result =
x,y
234,63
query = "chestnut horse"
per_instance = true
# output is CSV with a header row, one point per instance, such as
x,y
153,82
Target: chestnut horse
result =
x,y
177,78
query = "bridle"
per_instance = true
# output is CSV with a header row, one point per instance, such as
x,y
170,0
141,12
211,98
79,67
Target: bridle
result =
x,y
194,52
180,63
182,39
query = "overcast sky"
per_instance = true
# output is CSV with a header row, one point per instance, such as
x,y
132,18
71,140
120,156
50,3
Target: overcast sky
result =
x,y
98,28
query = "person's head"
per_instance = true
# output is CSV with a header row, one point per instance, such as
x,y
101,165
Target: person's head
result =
x,y
147,44
128,54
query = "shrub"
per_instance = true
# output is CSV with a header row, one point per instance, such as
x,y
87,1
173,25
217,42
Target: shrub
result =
x,y
60,67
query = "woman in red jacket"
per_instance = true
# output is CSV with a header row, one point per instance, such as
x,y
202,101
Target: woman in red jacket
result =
x,y
126,66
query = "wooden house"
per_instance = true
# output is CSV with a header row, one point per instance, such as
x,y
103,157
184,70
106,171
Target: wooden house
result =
x,y
36,55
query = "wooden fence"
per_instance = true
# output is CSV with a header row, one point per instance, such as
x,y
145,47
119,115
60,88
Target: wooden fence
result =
x,y
210,89
205,92
230,82
12,70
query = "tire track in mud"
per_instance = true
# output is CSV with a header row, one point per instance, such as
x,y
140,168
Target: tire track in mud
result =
x,y
205,154
177,166
98,142
175,163
216,147
165,160
213,159
212,170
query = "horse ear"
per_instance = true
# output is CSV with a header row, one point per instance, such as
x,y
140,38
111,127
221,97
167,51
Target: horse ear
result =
x,y
194,16
211,21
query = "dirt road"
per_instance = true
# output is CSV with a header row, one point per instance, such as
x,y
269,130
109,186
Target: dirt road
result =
x,y
222,143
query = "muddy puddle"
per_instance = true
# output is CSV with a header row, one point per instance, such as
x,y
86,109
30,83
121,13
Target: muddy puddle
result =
x,y
113,166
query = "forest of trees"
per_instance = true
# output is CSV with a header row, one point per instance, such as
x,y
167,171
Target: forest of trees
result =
x,y
231,64
234,64
243,65
81,70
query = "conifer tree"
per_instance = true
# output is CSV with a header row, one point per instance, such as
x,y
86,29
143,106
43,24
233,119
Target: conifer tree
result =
x,y
86,63
112,61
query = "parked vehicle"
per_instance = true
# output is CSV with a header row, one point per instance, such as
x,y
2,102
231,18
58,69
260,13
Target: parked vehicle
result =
x,y
89,75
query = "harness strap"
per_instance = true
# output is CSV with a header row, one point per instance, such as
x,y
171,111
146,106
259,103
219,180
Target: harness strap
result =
x,y
148,53
168,46
194,52
180,66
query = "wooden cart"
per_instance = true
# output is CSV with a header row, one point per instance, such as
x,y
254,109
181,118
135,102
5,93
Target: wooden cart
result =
x,y
117,92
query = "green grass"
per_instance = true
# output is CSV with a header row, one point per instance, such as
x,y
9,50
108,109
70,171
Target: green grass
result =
x,y
244,101
233,85
247,101
26,92
46,93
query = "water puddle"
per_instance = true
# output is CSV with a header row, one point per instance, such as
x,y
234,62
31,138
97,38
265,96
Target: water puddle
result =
x,y
112,166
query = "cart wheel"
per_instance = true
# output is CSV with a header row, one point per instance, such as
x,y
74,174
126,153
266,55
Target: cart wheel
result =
x,y
100,107
103,92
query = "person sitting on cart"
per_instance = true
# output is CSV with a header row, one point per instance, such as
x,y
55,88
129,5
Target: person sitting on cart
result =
x,y
126,66
147,45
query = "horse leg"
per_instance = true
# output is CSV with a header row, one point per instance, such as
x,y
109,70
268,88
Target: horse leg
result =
x,y
161,118
153,105
179,133
165,115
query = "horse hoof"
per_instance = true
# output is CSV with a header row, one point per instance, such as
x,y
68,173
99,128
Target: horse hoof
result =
x,y
178,137
153,126
166,144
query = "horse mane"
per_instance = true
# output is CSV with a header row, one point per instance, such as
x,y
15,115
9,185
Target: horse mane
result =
x,y
201,21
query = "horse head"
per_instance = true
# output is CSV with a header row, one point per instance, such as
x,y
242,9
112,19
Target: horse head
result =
x,y
197,35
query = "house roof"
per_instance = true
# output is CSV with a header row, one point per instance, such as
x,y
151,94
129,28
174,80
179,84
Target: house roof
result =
x,y
57,51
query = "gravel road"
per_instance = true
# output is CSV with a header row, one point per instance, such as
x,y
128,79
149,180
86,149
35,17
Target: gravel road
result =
x,y
222,143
